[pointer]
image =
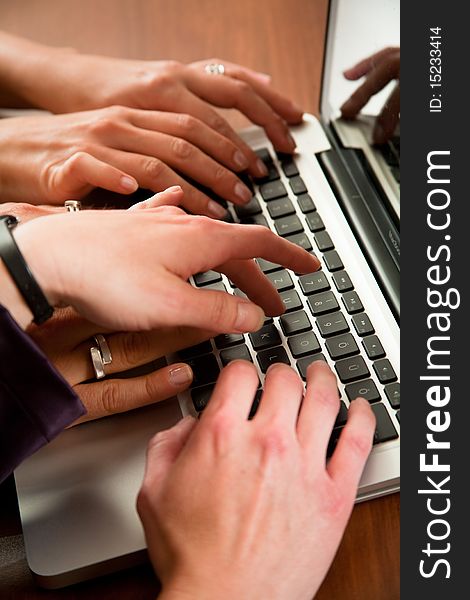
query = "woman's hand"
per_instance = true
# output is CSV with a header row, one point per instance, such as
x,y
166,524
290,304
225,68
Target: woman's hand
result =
x,y
66,341
256,499
128,270
378,70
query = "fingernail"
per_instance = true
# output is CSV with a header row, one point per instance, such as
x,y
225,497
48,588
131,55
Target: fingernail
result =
x,y
290,141
261,168
181,376
240,159
216,210
129,183
249,317
174,188
242,192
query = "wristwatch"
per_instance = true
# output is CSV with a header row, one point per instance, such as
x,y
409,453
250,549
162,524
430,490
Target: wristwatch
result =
x,y
20,273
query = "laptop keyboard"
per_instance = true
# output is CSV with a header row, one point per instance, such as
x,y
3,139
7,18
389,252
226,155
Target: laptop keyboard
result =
x,y
314,326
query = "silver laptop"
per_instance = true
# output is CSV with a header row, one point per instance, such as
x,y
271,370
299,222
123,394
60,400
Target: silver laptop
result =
x,y
338,198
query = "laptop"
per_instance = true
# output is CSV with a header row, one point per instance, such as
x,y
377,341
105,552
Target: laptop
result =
x,y
337,197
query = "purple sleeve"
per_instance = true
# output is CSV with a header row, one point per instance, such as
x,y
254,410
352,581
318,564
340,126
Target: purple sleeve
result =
x,y
36,403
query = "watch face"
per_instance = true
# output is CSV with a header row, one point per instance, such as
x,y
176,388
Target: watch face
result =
x,y
10,220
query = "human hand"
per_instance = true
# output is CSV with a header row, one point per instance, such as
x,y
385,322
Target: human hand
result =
x,y
52,158
233,508
379,69
65,339
128,270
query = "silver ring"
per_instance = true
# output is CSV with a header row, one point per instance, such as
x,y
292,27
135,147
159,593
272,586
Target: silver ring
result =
x,y
100,355
72,205
214,69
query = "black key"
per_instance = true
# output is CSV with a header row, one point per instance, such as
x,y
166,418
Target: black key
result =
x,y
281,280
342,415
288,225
280,208
384,430
314,221
266,337
398,415
288,165
312,283
351,369
255,405
248,210
291,300
384,370
295,322
342,281
392,391
272,190
301,240
197,350
218,287
207,277
246,179
332,324
201,396
332,261
303,363
298,186
305,343
255,220
266,358
273,174
341,346
323,303
323,241
235,353
352,302
267,266
224,340
362,324
205,369
373,347
306,204
264,155
228,218
333,441
366,389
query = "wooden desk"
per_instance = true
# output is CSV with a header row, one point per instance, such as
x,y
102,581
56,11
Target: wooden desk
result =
x,y
285,39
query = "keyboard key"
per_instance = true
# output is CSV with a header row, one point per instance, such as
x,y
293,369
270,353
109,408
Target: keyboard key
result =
x,y
398,415
267,266
201,396
280,208
224,340
333,441
239,293
373,347
248,210
312,283
342,281
341,346
295,322
264,155
288,225
207,277
332,261
291,300
246,179
265,337
303,363
298,186
281,280
384,430
342,415
314,221
205,369
255,220
197,350
351,369
301,240
384,370
266,358
362,324
235,353
366,389
322,303
273,174
272,190
288,165
303,344
323,241
332,324
306,204
218,287
392,391
352,302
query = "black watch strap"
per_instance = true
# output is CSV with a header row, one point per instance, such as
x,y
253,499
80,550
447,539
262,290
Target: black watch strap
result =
x,y
20,273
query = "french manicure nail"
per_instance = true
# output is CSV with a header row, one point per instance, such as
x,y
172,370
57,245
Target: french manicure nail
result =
x,y
129,184
217,211
240,159
181,376
242,192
